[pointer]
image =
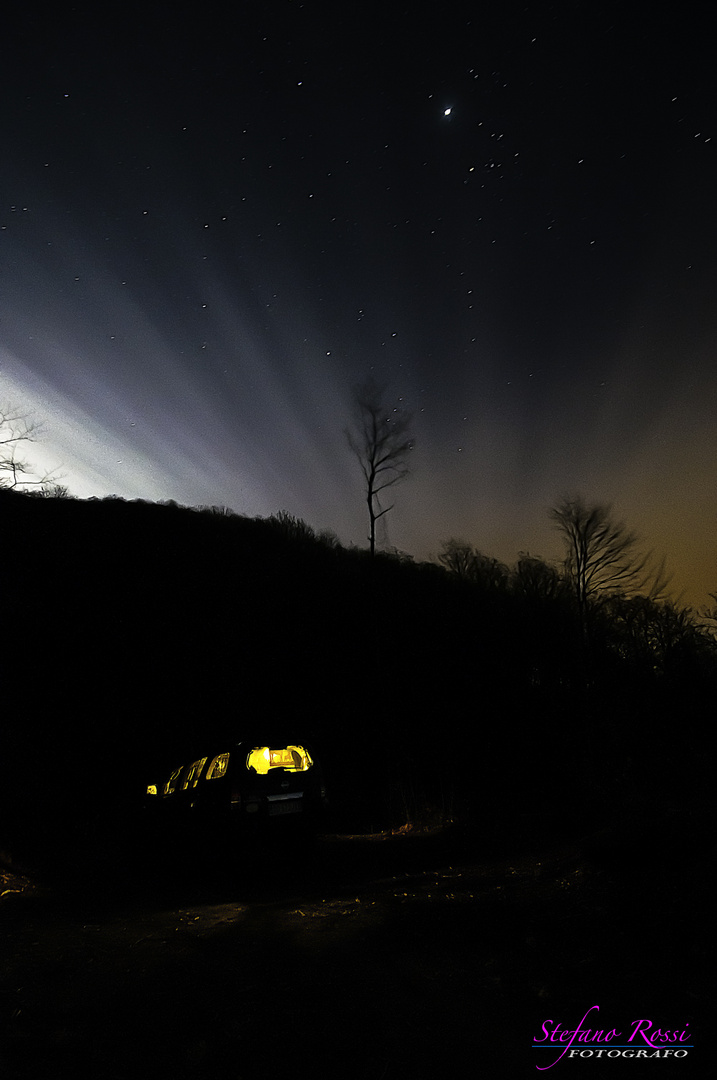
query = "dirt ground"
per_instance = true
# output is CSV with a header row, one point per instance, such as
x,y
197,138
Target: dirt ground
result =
x,y
377,957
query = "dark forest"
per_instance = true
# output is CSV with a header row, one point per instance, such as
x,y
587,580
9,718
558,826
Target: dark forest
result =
x,y
467,692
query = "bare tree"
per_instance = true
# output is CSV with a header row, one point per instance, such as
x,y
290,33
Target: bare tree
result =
x,y
17,428
468,563
535,579
602,556
457,556
708,617
381,439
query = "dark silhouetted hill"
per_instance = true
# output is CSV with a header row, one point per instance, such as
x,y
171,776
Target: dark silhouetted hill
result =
x,y
136,631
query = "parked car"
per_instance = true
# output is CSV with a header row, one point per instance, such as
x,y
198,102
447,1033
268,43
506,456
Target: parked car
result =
x,y
248,786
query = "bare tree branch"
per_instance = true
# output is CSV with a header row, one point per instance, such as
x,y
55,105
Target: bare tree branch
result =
x,y
18,427
381,440
602,556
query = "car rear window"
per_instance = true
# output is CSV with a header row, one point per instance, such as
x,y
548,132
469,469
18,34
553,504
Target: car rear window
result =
x,y
262,759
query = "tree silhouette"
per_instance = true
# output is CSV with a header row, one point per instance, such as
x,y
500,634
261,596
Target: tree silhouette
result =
x,y
16,428
658,637
457,556
601,555
381,439
535,579
469,564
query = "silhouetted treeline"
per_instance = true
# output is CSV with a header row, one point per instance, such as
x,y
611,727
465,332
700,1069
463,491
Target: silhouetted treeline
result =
x,y
135,632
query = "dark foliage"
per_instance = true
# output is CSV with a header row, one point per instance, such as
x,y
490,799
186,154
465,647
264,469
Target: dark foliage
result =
x,y
135,632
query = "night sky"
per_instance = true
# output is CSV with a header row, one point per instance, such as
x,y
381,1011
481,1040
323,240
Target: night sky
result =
x,y
216,220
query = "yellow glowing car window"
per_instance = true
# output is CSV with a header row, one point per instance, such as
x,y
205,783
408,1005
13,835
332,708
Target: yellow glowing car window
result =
x,y
172,782
292,758
193,773
218,767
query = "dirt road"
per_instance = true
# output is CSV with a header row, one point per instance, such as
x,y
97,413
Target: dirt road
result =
x,y
377,958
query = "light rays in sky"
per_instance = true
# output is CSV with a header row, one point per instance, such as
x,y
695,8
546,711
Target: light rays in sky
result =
x,y
255,421
201,261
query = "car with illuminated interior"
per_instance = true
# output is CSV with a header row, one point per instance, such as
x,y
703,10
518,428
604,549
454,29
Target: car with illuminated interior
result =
x,y
246,785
